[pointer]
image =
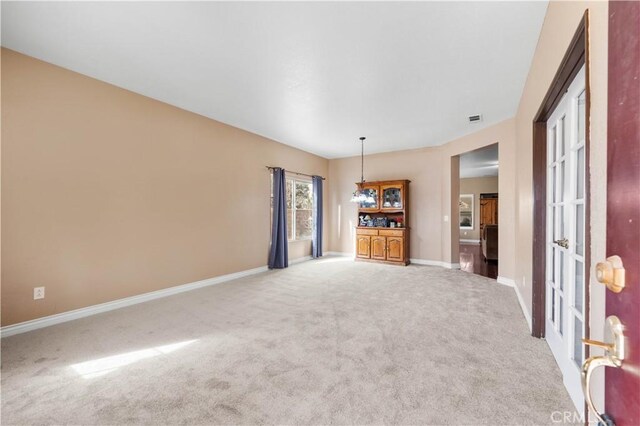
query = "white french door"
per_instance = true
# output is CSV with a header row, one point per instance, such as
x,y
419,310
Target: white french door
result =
x,y
565,248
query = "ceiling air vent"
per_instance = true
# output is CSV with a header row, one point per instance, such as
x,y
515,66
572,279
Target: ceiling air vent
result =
x,y
475,118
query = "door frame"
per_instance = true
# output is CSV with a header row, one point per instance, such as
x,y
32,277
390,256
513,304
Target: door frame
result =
x,y
576,56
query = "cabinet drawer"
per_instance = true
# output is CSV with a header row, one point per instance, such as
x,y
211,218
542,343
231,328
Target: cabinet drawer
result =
x,y
366,231
392,232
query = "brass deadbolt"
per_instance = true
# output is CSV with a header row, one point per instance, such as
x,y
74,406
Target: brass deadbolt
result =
x,y
611,273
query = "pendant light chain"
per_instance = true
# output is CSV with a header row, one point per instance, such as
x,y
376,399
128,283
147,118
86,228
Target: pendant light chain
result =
x,y
360,195
362,160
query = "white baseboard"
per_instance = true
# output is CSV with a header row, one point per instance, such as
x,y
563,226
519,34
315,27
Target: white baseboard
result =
x,y
435,263
414,261
469,241
339,253
511,283
35,324
300,259
50,320
506,281
427,262
525,311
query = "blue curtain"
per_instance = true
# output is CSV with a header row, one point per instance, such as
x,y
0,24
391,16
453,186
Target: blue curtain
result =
x,y
316,248
279,252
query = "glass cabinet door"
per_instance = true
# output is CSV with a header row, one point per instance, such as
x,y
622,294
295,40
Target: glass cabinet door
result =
x,y
392,197
371,202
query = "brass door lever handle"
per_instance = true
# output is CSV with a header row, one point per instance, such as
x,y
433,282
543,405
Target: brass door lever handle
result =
x,y
605,346
613,357
564,243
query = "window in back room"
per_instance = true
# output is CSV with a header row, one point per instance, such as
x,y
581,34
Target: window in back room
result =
x,y
299,193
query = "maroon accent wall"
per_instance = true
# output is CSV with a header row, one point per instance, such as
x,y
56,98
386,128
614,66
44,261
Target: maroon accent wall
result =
x,y
622,386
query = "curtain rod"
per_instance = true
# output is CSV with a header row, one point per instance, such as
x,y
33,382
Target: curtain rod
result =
x,y
295,173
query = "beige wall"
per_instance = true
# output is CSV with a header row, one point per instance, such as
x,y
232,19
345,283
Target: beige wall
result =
x,y
420,166
560,23
559,26
431,171
108,194
477,186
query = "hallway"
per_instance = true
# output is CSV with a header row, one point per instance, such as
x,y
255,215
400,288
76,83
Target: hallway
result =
x,y
472,260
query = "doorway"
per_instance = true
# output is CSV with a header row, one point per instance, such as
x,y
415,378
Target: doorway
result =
x,y
561,242
478,211
565,235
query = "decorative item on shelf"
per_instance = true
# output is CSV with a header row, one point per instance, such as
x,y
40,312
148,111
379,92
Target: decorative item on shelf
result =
x,y
380,222
368,221
399,222
361,195
392,224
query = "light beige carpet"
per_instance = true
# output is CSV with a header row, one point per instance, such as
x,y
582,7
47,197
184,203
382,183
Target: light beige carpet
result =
x,y
323,342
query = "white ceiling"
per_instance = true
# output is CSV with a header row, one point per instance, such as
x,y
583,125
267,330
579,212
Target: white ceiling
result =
x,y
311,75
480,162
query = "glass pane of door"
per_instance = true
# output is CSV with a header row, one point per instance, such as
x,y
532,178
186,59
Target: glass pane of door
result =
x,y
580,166
578,286
553,305
577,342
579,231
581,117
561,137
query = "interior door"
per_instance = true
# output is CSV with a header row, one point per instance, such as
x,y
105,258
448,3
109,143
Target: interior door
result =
x,y
622,385
565,236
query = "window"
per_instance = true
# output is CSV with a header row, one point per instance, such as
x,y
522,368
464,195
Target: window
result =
x,y
299,209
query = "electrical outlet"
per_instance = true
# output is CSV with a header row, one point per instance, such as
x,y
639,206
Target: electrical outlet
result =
x,y
446,218
38,293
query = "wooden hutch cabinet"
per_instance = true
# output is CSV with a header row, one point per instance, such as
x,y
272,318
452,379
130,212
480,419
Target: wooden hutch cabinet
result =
x,y
382,234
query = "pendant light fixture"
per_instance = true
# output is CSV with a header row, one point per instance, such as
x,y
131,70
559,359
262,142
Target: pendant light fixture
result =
x,y
361,195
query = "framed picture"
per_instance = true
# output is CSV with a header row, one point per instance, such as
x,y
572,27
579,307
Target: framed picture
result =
x,y
466,211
